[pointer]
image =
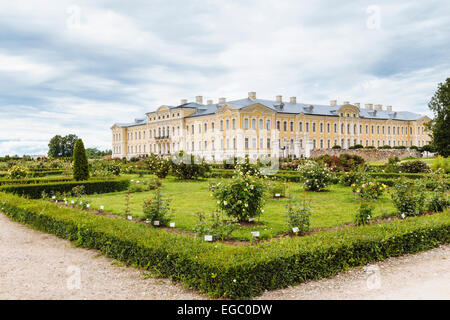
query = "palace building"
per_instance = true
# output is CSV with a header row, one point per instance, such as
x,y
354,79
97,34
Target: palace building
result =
x,y
264,128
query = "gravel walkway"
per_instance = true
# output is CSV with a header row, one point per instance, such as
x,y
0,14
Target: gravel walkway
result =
x,y
36,265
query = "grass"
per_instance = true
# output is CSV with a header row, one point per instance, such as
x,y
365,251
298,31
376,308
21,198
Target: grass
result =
x,y
334,207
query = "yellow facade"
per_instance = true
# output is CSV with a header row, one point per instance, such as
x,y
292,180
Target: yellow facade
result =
x,y
261,129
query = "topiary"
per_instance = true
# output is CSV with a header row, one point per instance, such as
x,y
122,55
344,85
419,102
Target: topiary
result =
x,y
80,162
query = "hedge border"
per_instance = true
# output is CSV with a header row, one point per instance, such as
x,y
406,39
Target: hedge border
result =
x,y
34,191
232,271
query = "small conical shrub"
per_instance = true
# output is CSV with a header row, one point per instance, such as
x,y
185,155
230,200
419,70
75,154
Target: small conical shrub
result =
x,y
80,162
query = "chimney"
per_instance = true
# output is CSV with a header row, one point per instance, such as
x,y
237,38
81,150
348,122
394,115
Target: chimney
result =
x,y
369,106
333,103
222,100
346,102
252,95
357,104
389,108
199,99
293,100
378,107
209,102
183,101
279,99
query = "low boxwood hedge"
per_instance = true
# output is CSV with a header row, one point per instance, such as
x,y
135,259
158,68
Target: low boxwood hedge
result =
x,y
232,271
33,180
34,191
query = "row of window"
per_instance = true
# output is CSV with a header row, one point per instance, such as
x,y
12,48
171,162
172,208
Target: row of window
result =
x,y
263,144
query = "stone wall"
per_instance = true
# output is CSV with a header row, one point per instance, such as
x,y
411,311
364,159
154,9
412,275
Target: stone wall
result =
x,y
369,154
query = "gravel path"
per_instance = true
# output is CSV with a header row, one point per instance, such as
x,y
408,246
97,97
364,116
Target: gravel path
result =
x,y
36,265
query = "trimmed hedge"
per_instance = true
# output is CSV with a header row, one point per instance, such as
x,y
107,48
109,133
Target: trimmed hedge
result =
x,y
232,271
34,191
32,180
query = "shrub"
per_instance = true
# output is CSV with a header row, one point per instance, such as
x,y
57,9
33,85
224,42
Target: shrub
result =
x,y
314,175
113,169
17,172
364,213
157,209
352,178
161,167
336,147
369,147
298,217
438,201
393,160
213,224
415,166
408,196
357,146
386,146
344,162
441,163
369,189
34,191
80,163
187,167
241,197
246,168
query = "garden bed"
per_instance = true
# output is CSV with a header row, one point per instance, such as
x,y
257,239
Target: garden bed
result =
x,y
232,271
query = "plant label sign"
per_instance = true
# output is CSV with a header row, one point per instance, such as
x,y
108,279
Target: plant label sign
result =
x,y
255,234
295,229
208,237
277,195
102,207
130,218
172,225
156,223
251,219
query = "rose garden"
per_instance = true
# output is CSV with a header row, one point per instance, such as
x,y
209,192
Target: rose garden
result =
x,y
236,228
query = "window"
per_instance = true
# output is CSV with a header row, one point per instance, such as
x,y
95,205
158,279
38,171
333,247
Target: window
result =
x,y
328,128
378,129
285,126
307,126
348,128
371,130
278,125
192,130
199,128
206,128
246,143
321,144
206,145
245,124
360,128
261,143
268,125
314,127
321,127
355,131
254,143
227,124
254,124
268,143
335,128
233,124
234,143
212,126
342,128
292,126
328,144
300,126
261,124
212,145
221,125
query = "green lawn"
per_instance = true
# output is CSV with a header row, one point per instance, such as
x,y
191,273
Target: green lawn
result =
x,y
335,207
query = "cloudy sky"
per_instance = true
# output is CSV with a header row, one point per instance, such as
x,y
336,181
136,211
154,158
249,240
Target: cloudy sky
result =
x,y
80,66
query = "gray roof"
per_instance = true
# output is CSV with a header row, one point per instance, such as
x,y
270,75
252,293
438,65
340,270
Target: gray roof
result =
x,y
287,107
309,109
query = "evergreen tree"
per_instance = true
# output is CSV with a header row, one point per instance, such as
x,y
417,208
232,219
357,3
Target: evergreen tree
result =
x,y
440,105
80,162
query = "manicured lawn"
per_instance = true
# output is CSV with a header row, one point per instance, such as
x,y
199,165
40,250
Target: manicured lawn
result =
x,y
335,207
